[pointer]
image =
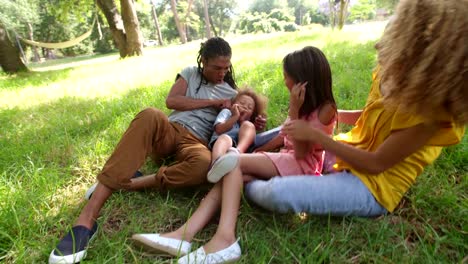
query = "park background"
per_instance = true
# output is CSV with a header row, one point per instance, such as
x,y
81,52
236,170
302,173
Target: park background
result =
x,y
62,115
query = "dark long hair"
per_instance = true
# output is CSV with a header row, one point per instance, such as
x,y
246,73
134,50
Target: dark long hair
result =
x,y
310,65
213,48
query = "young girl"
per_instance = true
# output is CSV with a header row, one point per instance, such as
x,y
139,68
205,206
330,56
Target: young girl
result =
x,y
417,105
234,130
308,78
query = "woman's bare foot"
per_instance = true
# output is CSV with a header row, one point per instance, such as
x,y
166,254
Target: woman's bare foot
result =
x,y
178,234
218,243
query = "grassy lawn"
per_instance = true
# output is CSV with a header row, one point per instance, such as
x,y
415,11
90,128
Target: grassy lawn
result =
x,y
60,122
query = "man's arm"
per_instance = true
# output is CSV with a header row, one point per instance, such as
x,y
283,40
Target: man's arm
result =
x,y
271,145
176,99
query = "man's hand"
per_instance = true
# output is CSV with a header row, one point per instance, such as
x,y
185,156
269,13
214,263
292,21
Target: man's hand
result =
x,y
222,103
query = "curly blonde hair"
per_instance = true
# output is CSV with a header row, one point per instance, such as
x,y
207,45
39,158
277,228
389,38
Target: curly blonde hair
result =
x,y
422,57
259,100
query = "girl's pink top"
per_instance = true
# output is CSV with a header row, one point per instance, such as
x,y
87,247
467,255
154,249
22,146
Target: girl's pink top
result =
x,y
312,164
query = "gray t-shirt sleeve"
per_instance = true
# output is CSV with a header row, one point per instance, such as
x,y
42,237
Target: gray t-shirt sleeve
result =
x,y
223,116
187,73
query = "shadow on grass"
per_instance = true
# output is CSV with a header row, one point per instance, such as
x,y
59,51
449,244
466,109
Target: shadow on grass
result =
x,y
32,78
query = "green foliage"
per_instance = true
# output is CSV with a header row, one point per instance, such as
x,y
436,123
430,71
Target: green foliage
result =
x,y
314,15
64,10
146,23
290,27
102,42
221,12
266,6
167,27
301,8
49,21
364,10
17,13
276,20
387,4
61,121
281,15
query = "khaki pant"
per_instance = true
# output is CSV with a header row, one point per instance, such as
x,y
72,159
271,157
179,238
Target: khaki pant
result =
x,y
151,134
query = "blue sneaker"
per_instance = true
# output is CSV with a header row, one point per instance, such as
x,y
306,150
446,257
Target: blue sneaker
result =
x,y
91,189
137,174
72,248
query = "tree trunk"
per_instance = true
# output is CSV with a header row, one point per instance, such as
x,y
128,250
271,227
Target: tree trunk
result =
x,y
187,18
207,19
213,27
36,57
180,29
156,24
342,15
331,6
221,23
115,22
132,28
10,59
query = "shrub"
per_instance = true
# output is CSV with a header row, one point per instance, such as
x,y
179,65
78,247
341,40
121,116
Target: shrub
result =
x,y
290,27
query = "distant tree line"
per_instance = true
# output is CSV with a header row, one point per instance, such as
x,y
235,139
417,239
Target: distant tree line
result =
x,y
124,25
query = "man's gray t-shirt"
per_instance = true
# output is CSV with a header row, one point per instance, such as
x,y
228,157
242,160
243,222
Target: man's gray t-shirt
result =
x,y
200,121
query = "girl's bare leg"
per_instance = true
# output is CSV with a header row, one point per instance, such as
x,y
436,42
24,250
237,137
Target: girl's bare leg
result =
x,y
205,211
232,185
226,232
246,136
220,147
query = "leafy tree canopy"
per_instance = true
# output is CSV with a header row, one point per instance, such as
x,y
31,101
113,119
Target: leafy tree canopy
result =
x,y
266,6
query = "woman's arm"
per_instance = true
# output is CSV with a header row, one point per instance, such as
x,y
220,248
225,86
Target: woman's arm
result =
x,y
271,145
176,99
348,117
399,145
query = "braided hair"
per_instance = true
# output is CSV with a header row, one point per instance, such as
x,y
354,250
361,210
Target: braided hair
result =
x,y
210,49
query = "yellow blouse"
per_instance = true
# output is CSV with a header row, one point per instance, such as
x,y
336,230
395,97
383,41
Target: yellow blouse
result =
x,y
372,128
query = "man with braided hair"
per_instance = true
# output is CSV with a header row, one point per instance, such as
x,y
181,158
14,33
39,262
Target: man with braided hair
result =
x,y
196,97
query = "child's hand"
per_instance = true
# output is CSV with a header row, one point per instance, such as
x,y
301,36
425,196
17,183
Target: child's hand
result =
x,y
299,130
235,110
260,122
296,99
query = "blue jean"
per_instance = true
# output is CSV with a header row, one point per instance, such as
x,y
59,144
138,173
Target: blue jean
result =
x,y
337,194
262,138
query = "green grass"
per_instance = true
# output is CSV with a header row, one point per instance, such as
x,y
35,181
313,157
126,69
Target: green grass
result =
x,y
61,121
